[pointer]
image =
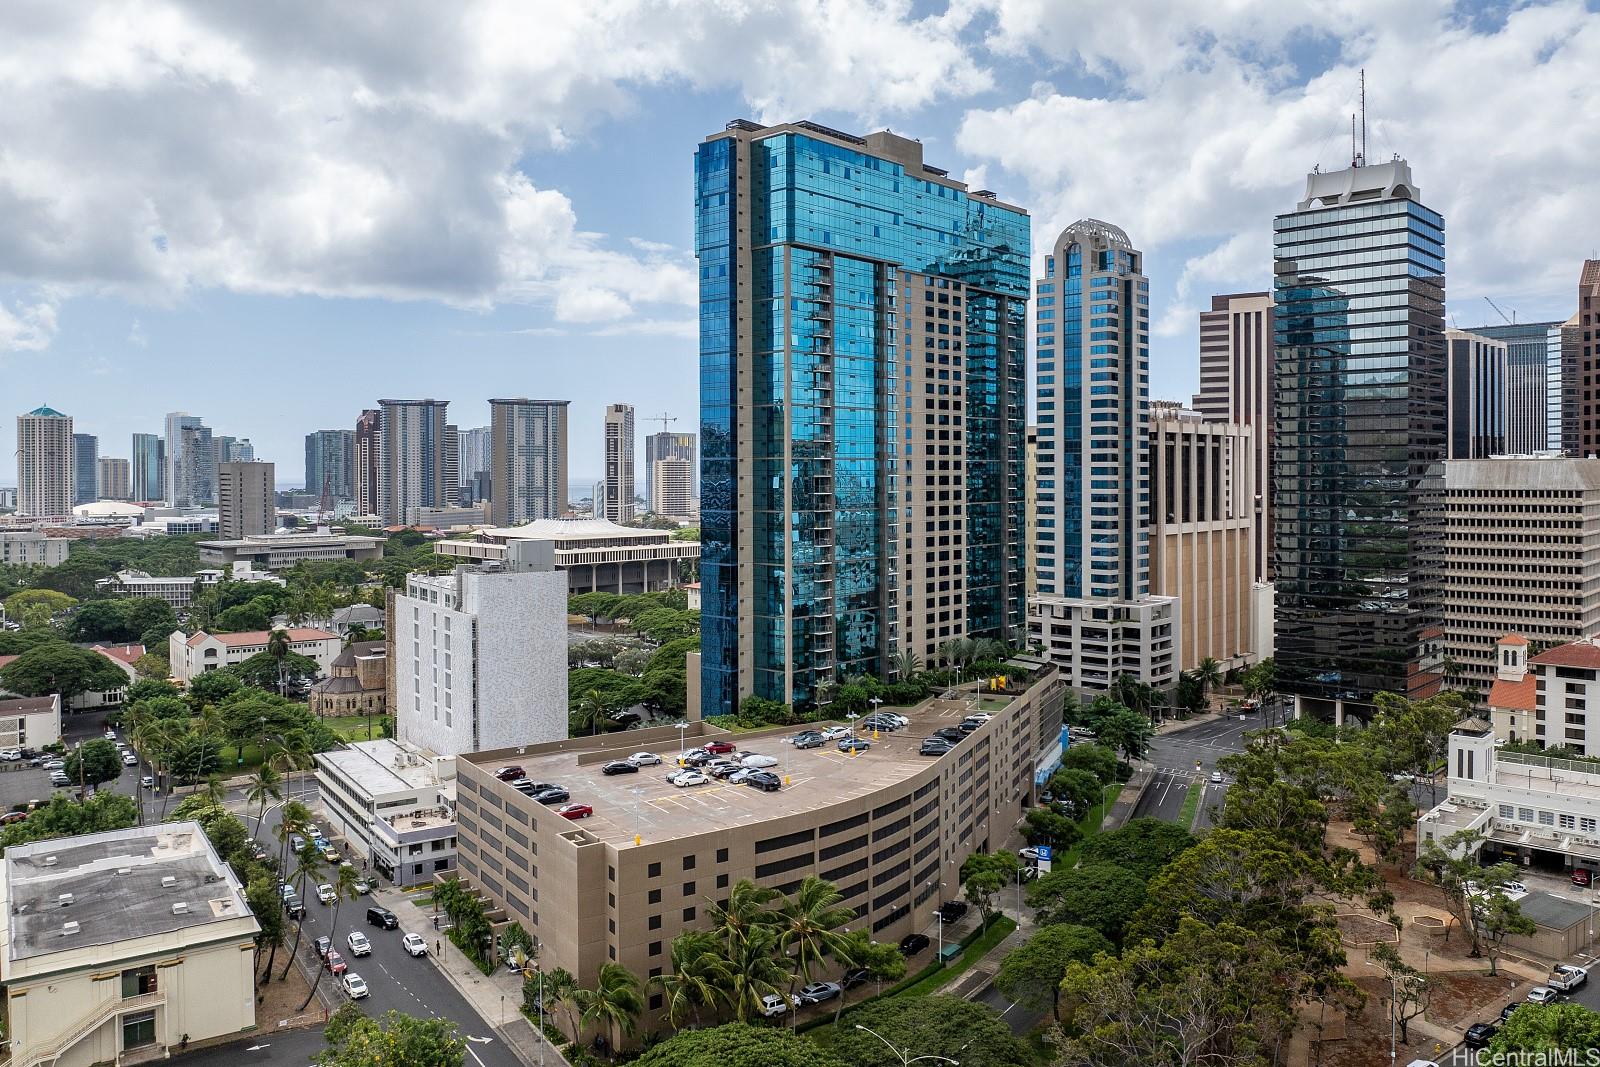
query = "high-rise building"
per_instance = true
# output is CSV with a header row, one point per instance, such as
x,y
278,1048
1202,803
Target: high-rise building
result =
x,y
85,468
235,450
452,464
1588,358
1564,416
1095,615
115,479
191,462
331,463
672,481
1475,396
149,467
369,449
412,459
666,446
1519,552
1030,521
528,460
863,394
1236,387
619,463
1533,383
1359,333
44,463
478,659
597,506
246,499
1202,533
476,454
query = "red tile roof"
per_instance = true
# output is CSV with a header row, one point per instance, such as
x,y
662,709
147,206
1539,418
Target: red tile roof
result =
x,y
1513,639
1514,696
259,637
123,653
1584,654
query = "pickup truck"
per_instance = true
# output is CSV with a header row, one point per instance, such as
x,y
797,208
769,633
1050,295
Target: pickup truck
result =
x,y
1566,978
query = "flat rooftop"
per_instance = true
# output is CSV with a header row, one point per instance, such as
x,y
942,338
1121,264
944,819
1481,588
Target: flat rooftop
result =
x,y
814,778
383,766
116,882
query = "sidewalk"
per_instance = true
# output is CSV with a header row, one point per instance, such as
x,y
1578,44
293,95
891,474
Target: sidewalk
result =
x,y
489,995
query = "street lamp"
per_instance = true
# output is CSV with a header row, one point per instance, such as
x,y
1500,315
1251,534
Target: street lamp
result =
x,y
682,728
906,1058
852,716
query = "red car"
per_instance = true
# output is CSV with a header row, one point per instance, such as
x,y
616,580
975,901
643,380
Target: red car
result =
x,y
574,811
1581,876
717,748
335,963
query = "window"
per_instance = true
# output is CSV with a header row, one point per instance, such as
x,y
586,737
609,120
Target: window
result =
x,y
688,915
688,863
655,948
138,981
654,896
655,922
722,855
653,871
722,881
1524,814
1547,818
688,889
138,1029
1567,822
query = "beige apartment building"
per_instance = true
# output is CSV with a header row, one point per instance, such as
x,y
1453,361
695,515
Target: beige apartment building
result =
x,y
44,463
1202,533
888,826
116,947
672,488
1236,359
1520,553
116,478
246,499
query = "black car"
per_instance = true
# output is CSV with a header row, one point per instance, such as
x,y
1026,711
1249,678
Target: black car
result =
x,y
292,905
552,795
720,769
697,757
619,766
765,781
912,944
383,917
969,725
854,977
1480,1034
952,910
1505,1012
624,718
952,734
935,746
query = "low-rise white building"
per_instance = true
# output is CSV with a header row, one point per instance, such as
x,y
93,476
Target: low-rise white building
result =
x,y
116,947
594,554
30,722
32,548
178,591
1093,641
193,655
281,551
478,659
395,804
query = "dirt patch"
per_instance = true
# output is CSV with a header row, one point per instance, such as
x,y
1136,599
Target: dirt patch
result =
x,y
1365,930
278,1003
1462,998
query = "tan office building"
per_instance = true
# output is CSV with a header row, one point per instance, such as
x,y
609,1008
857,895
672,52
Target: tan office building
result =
x,y
116,478
1520,554
115,947
887,826
246,499
44,463
1202,532
1236,353
672,488
527,460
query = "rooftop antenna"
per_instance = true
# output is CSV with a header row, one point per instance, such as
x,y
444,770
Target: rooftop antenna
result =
x,y
1363,116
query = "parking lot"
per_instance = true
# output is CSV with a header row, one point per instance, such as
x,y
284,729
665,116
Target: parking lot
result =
x,y
20,783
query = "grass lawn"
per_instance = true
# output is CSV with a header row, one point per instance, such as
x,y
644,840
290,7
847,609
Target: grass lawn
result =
x,y
1090,825
993,703
356,727
974,952
1191,804
233,766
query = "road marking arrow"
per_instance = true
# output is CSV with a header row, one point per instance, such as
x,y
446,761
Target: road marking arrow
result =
x,y
481,1040
257,1048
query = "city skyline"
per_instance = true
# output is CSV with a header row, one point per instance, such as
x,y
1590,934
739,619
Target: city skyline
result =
x,y
558,217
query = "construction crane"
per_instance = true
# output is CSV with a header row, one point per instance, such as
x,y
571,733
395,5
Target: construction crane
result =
x,y
1511,319
663,419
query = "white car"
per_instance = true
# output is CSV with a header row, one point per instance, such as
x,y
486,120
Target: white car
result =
x,y
1030,853
1514,889
684,779
355,987
756,759
130,760
147,782
326,894
111,735
774,1004
644,759
359,945
904,722
10,755
832,733
53,764
415,945
1216,777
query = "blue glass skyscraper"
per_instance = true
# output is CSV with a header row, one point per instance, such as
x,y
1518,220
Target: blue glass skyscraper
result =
x,y
863,403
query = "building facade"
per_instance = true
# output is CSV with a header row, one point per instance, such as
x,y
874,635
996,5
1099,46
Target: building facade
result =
x,y
393,802
476,452
331,464
619,457
1202,535
1360,388
235,450
452,464
194,654
887,826
85,468
596,556
275,551
44,463
357,681
246,499
1586,340
149,467
114,478
527,443
672,488
32,548
664,445
1236,386
412,460
1519,552
479,659
1533,383
191,462
1095,615
1475,396
863,403
30,722
369,450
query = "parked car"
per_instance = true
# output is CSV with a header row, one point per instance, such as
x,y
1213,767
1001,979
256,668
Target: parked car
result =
x,y
774,1004
809,739
644,759
59,780
855,976
765,781
326,894
756,759
684,779
742,775
509,774
720,768
1216,777
912,944
1542,995
951,734
382,917
1029,853
854,744
817,992
130,760
294,907
296,843
1582,876
625,717
698,757
717,748
553,795
147,782
12,817
1513,889
575,811
334,962
111,735
1507,1011
832,732
355,987
952,910
620,766
1564,978
935,746
1480,1034
10,755
359,945
969,725
53,764
363,887
415,945
322,945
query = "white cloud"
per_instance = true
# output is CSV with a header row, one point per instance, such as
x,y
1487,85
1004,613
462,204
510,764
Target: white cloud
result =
x,y
150,147
136,335
28,327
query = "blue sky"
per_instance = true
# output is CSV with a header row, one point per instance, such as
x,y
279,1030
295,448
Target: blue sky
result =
x,y
272,216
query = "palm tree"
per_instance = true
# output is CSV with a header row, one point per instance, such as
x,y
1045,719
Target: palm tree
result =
x,y
758,969
950,653
308,867
1209,674
614,1003
561,989
344,888
278,649
906,664
700,976
266,785
811,924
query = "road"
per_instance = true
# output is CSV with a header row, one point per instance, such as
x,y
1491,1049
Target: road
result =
x,y
1184,756
1021,1020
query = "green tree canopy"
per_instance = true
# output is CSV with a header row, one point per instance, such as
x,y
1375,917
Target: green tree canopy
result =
x,y
18,605
1143,846
1127,731
244,618
1075,790
1098,760
1031,974
939,1026
212,687
1548,1028
393,1040
63,817
146,688
737,1045
57,667
261,670
94,762
1103,897
127,620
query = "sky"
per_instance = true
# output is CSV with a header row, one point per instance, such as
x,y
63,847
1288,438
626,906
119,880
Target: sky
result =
x,y
271,215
